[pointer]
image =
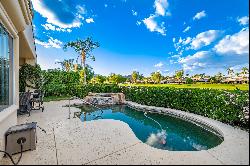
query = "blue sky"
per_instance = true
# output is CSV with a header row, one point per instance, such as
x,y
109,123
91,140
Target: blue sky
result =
x,y
199,36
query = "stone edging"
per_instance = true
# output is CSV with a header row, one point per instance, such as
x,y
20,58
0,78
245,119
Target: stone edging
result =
x,y
193,118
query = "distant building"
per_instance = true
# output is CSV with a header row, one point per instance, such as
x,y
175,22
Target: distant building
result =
x,y
199,78
241,79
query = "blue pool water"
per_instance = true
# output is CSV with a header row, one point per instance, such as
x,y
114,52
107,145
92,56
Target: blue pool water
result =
x,y
157,130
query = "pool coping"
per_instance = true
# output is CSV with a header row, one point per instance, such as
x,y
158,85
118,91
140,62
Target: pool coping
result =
x,y
235,146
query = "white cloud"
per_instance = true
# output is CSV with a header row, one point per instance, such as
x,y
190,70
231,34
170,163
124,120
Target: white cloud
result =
x,y
206,60
161,7
138,23
160,64
134,13
200,40
51,17
176,56
90,20
54,43
153,25
193,58
152,22
243,20
54,28
199,15
198,60
187,40
237,43
187,29
81,9
49,27
205,39
80,17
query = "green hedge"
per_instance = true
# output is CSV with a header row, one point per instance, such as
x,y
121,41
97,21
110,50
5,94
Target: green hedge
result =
x,y
225,106
79,90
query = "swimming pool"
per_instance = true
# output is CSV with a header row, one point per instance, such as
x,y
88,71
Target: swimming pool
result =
x,y
157,130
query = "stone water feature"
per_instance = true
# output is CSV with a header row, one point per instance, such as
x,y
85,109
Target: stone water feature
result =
x,y
103,99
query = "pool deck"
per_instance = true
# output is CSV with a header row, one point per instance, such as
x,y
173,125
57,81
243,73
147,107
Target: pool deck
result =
x,y
70,141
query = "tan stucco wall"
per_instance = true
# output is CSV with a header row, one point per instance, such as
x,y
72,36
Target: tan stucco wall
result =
x,y
8,118
15,20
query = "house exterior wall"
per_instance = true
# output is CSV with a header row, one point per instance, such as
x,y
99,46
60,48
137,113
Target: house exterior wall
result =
x,y
16,18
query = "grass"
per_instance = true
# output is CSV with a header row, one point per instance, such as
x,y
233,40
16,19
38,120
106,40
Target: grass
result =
x,y
55,98
198,85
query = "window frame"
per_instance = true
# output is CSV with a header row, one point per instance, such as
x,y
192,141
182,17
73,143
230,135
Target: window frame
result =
x,y
11,67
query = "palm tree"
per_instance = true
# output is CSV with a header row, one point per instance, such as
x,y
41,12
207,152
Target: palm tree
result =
x,y
84,49
134,76
202,75
230,71
219,76
245,70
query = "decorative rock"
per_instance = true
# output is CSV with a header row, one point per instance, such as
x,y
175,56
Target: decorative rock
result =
x,y
105,98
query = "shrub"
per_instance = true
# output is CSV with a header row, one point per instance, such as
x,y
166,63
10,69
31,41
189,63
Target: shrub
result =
x,y
79,90
29,76
221,105
189,81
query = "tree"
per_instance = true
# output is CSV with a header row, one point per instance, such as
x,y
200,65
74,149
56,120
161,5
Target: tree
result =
x,y
245,70
146,79
116,78
30,76
84,49
86,74
134,76
156,77
202,76
98,79
213,80
179,74
219,77
189,81
230,72
66,64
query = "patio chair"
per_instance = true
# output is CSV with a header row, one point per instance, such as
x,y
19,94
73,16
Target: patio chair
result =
x,y
24,103
37,99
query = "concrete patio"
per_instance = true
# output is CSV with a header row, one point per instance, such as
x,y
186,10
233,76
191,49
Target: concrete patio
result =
x,y
70,141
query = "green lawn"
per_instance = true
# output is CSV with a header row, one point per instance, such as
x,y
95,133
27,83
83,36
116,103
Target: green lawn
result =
x,y
198,85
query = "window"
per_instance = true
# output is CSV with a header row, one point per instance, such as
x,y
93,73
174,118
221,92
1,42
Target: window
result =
x,y
5,51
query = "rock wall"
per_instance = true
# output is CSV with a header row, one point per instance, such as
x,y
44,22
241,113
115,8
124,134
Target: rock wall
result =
x,y
105,98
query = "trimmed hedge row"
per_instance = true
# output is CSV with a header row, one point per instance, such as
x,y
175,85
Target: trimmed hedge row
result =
x,y
225,106
79,90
